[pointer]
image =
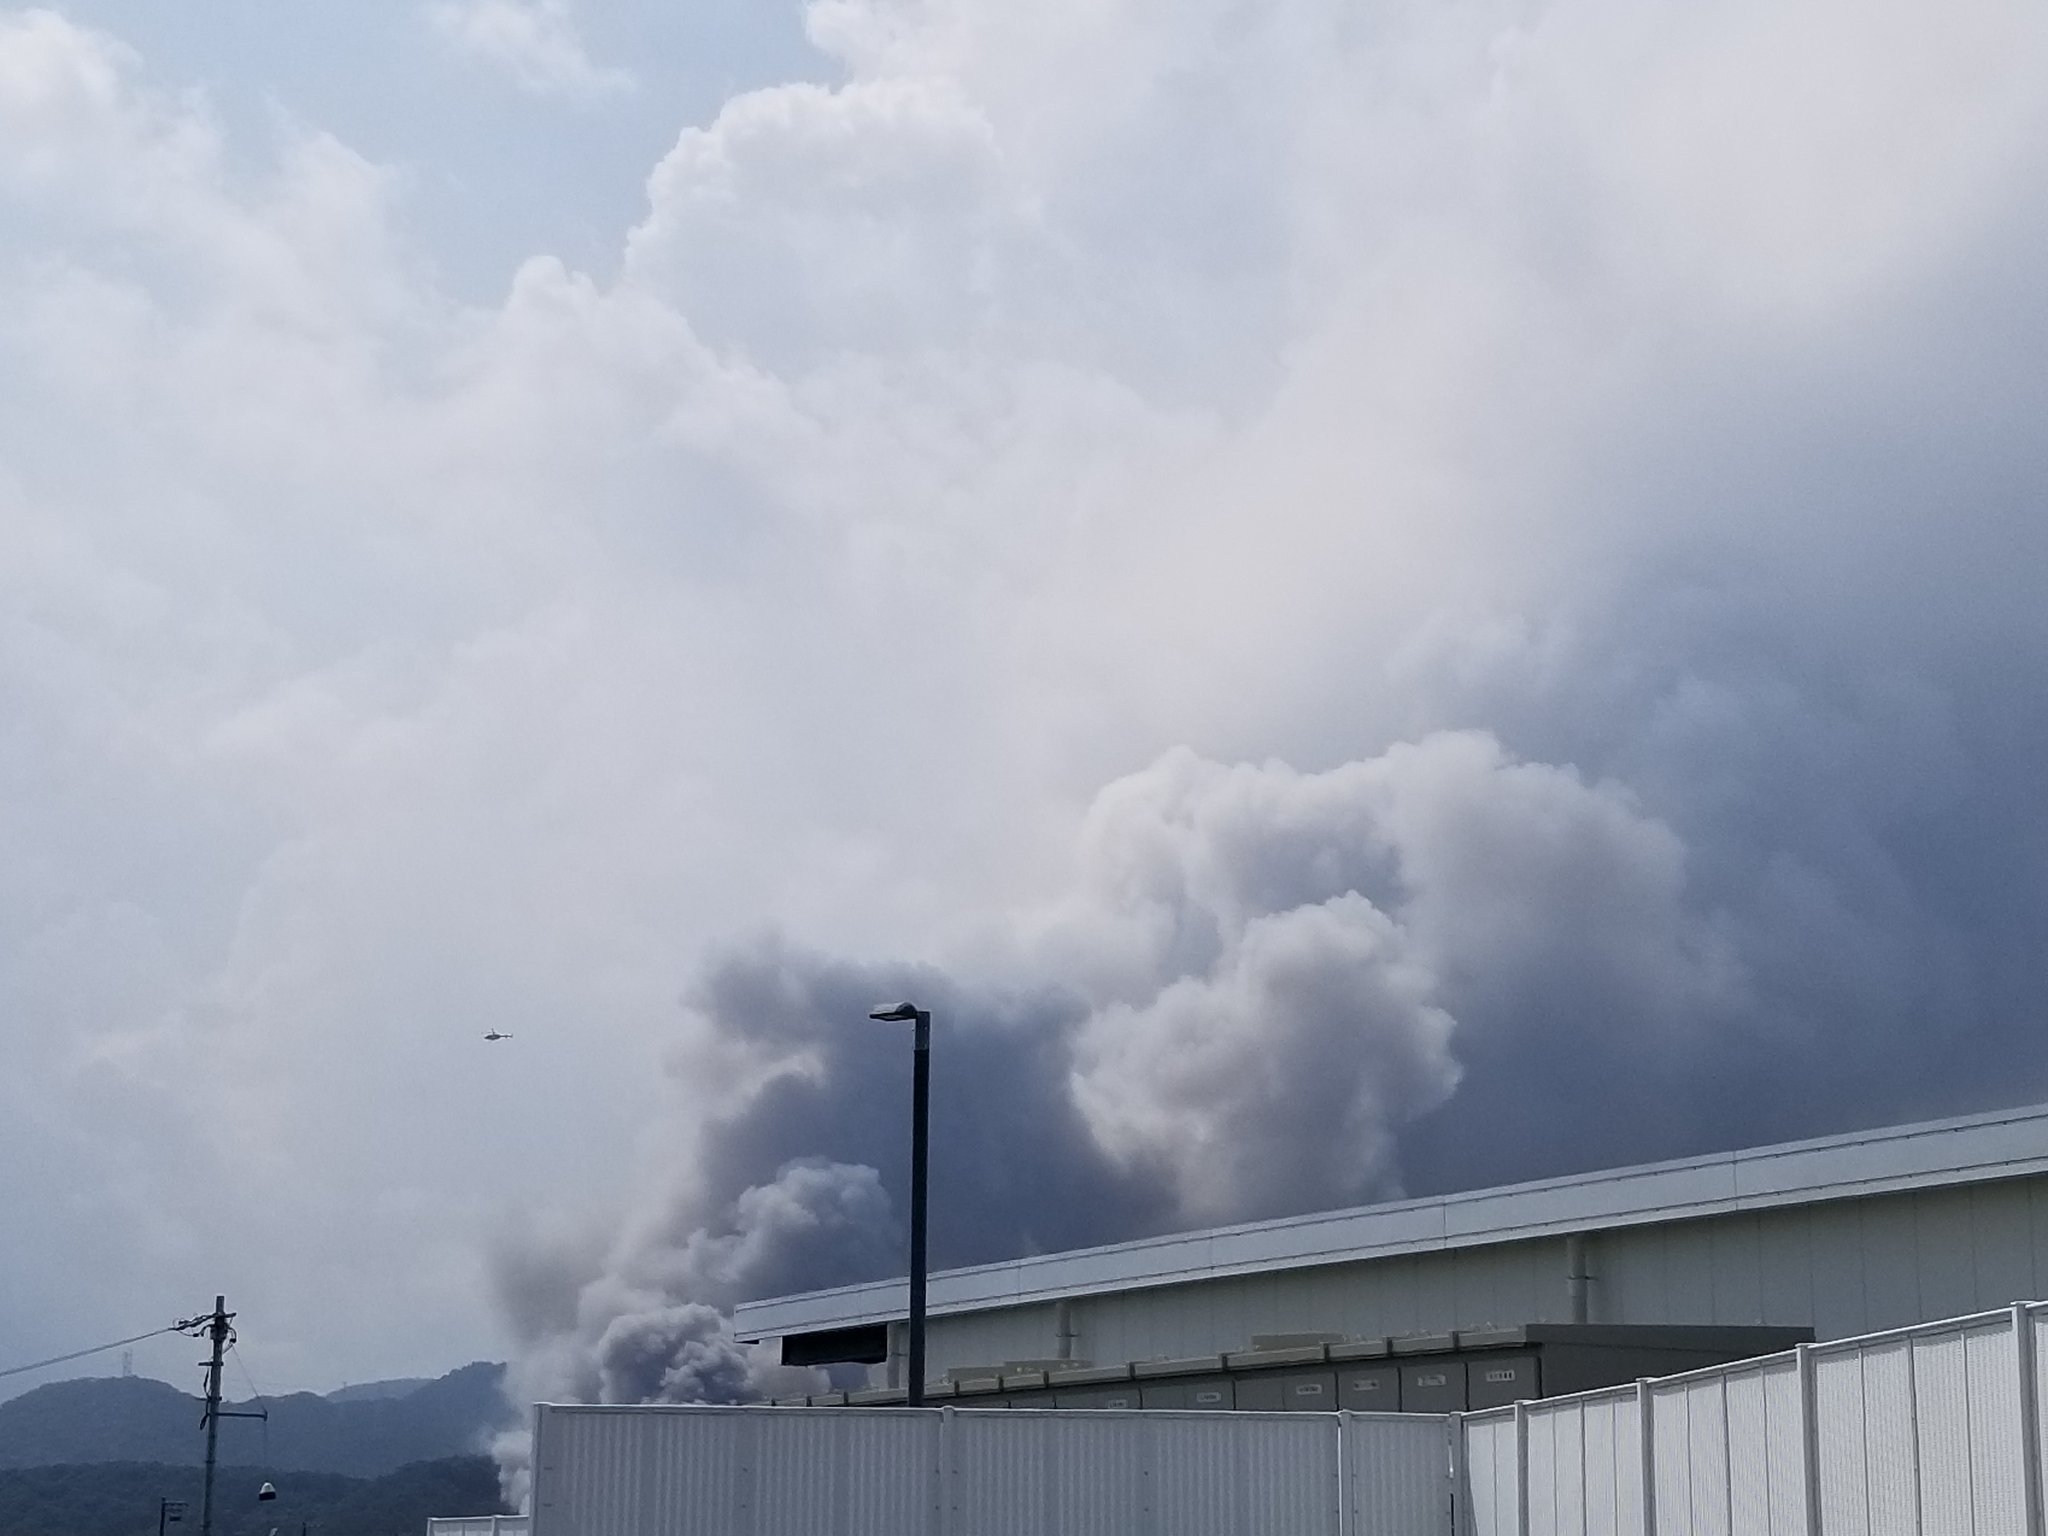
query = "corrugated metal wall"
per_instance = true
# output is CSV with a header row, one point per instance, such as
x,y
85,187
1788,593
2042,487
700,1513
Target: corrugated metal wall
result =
x,y
1843,1268
938,1472
1491,1485
1922,1433
745,1472
1599,1435
1396,1468
478,1525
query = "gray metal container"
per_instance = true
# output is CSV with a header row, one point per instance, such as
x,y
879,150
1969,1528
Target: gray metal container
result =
x,y
1288,1392
1433,1386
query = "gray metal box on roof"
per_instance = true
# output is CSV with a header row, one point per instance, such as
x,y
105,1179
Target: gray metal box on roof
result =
x,y
1433,1386
1496,1380
1287,1392
1125,1396
1198,1393
1369,1388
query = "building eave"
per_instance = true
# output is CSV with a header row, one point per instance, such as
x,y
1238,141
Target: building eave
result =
x,y
1927,1155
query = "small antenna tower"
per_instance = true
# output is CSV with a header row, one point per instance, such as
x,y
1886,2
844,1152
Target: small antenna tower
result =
x,y
127,1362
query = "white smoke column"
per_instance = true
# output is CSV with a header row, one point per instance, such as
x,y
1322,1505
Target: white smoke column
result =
x,y
1276,954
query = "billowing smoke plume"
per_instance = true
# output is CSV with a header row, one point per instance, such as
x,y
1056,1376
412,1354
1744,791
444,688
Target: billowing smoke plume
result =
x,y
1271,991
1246,1000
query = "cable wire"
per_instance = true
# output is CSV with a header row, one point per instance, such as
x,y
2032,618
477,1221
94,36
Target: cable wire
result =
x,y
80,1354
256,1392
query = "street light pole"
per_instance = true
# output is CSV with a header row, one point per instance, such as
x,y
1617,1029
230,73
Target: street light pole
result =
x,y
920,1151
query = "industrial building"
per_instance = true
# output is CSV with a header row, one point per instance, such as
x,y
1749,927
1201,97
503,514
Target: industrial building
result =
x,y
1597,1277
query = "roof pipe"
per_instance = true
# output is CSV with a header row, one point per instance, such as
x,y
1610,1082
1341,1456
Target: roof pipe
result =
x,y
1063,1328
1575,1277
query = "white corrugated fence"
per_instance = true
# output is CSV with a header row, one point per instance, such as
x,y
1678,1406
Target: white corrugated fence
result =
x,y
1926,1431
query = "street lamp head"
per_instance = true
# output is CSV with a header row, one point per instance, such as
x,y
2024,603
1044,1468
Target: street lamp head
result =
x,y
902,1013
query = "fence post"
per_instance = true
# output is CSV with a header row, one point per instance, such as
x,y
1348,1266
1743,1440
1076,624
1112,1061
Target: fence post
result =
x,y
2030,1414
1460,1502
1521,1469
1809,1438
1646,1452
1347,1503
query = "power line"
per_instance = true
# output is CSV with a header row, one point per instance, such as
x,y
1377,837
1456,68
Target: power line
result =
x,y
235,1349
262,1402
80,1354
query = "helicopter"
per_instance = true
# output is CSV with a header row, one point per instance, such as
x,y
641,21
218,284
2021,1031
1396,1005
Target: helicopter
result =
x,y
492,1034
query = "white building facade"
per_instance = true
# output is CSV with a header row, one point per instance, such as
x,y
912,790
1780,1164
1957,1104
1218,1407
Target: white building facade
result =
x,y
1846,1235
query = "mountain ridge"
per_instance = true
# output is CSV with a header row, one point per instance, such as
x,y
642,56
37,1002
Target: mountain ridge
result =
x,y
101,1419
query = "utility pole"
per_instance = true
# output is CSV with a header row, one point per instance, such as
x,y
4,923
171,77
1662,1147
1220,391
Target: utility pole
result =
x,y
214,1326
217,1329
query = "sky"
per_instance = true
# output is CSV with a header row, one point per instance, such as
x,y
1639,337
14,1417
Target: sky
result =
x,y
1362,598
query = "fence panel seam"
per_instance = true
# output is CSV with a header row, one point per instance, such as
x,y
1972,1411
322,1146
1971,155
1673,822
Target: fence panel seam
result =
x,y
2030,1415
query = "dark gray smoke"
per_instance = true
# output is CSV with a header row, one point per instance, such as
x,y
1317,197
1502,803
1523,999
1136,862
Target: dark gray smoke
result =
x,y
1275,991
671,1354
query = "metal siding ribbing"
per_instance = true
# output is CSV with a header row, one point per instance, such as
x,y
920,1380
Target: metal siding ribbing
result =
x,y
1941,1421
1492,1491
984,1338
1749,1455
1398,1468
1216,1477
1997,1456
610,1473
1145,1474
1785,1436
1583,1469
1569,1446
2038,1321
1025,1474
1603,1511
1838,1411
733,1472
1750,1483
1614,1466
1558,1495
1540,1481
1888,1425
1707,1426
1628,1466
1671,1463
876,1471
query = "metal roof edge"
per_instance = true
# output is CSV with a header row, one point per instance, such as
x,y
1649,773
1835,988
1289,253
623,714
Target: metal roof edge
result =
x,y
1925,1154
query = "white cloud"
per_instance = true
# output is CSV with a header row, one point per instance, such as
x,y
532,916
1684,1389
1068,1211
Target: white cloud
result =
x,y
536,42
